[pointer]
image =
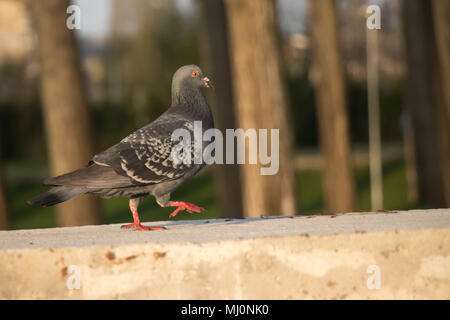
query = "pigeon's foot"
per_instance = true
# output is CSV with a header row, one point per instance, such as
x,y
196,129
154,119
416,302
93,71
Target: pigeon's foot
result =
x,y
189,207
136,225
140,227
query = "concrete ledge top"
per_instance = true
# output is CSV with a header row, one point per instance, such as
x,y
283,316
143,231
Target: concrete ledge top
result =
x,y
202,231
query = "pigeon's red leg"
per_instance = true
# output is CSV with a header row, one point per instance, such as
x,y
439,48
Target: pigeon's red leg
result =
x,y
137,224
184,206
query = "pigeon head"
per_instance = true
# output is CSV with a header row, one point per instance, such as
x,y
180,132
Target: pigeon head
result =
x,y
190,77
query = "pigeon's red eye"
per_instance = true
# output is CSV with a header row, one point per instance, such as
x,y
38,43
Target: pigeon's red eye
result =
x,y
195,73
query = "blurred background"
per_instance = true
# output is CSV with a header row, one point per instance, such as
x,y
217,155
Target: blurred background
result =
x,y
364,115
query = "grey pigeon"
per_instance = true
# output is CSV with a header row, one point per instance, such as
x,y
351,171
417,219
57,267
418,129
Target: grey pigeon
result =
x,y
141,164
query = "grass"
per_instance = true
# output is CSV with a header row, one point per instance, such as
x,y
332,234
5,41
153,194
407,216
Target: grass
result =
x,y
199,190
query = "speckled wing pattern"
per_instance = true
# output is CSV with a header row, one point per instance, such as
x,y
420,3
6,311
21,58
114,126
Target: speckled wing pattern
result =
x,y
145,155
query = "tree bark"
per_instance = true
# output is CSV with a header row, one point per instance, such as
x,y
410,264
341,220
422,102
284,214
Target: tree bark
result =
x,y
423,101
441,19
328,80
67,122
215,53
261,103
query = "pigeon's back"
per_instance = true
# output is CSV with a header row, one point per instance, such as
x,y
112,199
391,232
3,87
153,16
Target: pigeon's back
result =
x,y
146,155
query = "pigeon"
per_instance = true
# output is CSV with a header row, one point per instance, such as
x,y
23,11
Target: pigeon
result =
x,y
142,163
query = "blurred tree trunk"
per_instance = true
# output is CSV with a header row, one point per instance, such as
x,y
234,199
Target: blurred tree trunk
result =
x,y
4,224
410,159
424,101
67,122
215,52
441,18
261,103
328,79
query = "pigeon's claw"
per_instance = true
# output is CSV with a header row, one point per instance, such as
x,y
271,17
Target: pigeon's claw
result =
x,y
140,227
189,207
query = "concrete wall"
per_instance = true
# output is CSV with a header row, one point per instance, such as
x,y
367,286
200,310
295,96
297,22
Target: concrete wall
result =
x,y
403,255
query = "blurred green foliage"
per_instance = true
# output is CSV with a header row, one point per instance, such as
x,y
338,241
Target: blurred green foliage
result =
x,y
301,93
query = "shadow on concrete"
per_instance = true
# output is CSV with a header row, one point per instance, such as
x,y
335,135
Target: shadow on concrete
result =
x,y
222,221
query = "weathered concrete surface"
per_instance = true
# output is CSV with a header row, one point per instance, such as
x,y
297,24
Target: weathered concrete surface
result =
x,y
275,258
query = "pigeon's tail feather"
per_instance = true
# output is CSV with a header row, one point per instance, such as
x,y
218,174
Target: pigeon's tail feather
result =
x,y
56,195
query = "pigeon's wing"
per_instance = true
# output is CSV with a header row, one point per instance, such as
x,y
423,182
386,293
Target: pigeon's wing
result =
x,y
145,156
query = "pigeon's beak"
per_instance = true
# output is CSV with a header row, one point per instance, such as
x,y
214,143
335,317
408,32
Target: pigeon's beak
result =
x,y
207,82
